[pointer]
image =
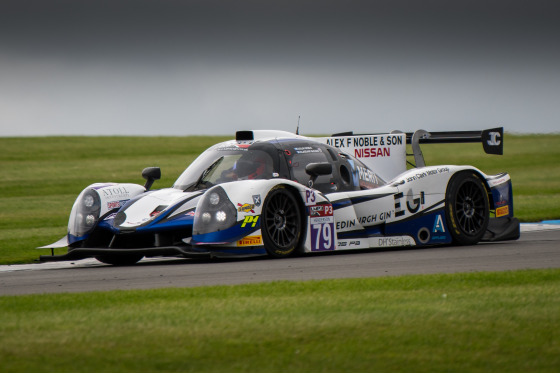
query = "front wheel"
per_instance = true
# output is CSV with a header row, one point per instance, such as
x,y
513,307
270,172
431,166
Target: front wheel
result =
x,y
467,208
281,223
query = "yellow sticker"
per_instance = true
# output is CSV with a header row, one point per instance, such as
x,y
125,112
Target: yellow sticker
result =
x,y
503,211
250,220
250,241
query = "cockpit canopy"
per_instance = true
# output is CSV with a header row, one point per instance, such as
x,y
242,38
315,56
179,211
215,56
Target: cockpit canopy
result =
x,y
279,158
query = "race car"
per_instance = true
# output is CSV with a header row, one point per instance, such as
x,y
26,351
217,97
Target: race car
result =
x,y
278,193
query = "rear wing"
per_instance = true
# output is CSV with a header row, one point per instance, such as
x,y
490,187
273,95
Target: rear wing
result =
x,y
492,140
386,153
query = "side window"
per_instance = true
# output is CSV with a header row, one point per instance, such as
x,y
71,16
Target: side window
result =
x,y
301,156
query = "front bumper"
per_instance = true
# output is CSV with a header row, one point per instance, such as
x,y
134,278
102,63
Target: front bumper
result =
x,y
81,253
186,251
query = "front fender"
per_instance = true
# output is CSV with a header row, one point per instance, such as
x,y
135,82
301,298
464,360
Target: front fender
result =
x,y
94,202
247,198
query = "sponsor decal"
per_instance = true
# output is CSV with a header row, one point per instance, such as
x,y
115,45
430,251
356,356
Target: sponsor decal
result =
x,y
115,204
398,241
383,153
412,204
257,200
348,243
501,200
345,224
250,220
322,228
438,224
368,146
427,173
502,211
246,208
372,152
321,210
302,150
309,197
115,192
250,241
367,175
494,138
498,181
237,147
383,216
316,210
158,210
365,141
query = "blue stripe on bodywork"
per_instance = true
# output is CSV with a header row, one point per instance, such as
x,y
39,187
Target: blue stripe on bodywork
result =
x,y
230,235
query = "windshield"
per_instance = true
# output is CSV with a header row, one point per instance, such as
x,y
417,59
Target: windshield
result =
x,y
226,162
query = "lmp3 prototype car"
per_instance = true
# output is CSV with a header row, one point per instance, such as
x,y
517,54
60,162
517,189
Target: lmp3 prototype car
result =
x,y
278,193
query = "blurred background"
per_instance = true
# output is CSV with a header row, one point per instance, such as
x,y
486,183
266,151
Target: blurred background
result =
x,y
169,67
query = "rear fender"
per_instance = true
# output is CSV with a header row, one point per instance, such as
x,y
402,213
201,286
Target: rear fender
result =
x,y
501,194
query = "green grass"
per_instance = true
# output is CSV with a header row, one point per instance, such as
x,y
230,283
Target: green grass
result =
x,y
478,322
42,176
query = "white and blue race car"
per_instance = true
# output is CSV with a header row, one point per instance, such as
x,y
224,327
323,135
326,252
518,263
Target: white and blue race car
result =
x,y
277,193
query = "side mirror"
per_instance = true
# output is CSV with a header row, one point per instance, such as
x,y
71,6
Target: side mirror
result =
x,y
151,174
318,168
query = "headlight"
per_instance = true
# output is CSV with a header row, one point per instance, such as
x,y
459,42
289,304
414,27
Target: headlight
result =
x,y
89,201
214,198
90,220
221,216
85,213
214,212
206,217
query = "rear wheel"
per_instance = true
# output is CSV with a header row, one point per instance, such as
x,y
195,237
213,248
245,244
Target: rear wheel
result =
x,y
467,210
119,260
281,223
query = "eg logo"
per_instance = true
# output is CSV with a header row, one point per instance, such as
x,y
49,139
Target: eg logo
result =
x,y
413,204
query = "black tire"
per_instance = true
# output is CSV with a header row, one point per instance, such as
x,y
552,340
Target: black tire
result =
x,y
466,208
281,223
119,260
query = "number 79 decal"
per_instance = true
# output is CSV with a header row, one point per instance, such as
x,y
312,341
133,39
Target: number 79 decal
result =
x,y
322,228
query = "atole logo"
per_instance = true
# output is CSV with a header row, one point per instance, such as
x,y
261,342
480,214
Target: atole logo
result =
x,y
494,138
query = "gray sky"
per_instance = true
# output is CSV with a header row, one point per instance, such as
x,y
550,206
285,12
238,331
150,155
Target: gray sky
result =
x,y
214,66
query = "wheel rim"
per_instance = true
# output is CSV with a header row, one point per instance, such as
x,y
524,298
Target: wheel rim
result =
x,y
282,221
470,207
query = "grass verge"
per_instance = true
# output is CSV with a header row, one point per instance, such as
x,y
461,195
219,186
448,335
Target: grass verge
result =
x,y
476,322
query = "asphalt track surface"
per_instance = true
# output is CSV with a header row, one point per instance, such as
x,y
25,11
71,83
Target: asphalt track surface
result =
x,y
537,248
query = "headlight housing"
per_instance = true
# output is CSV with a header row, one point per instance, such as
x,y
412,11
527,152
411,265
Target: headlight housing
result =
x,y
85,213
214,212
